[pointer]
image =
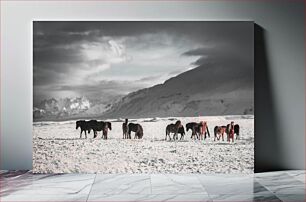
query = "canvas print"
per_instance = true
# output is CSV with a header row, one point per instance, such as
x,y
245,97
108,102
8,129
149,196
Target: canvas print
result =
x,y
143,97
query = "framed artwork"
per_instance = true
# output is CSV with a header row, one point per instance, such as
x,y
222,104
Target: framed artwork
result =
x,y
143,96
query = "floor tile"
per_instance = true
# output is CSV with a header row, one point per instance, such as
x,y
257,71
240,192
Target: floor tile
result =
x,y
42,184
23,186
282,183
43,198
121,184
245,198
151,198
298,175
176,184
292,197
228,184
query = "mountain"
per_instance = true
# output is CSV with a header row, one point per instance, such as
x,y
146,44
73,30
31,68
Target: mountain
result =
x,y
209,89
67,108
212,88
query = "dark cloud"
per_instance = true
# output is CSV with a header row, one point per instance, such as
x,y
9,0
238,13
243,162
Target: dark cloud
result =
x,y
222,54
59,48
58,56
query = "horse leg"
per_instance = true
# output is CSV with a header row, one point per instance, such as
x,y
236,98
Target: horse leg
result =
x,y
81,134
175,136
182,136
85,134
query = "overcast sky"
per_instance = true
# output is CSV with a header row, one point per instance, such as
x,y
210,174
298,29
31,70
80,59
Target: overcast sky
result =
x,y
100,60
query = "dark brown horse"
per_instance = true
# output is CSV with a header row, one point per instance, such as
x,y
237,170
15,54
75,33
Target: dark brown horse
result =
x,y
100,126
107,125
173,128
137,128
84,127
237,130
125,130
181,130
195,129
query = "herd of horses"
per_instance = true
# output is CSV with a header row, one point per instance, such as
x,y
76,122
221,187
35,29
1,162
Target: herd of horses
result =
x,y
199,130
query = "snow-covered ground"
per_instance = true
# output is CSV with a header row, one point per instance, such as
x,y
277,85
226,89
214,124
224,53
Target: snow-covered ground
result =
x,y
59,149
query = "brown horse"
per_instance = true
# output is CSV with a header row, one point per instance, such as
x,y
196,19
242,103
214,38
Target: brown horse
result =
x,y
137,128
106,126
181,130
173,128
194,127
232,129
219,131
100,126
203,130
125,130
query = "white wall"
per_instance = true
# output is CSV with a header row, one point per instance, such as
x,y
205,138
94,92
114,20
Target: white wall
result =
x,y
283,27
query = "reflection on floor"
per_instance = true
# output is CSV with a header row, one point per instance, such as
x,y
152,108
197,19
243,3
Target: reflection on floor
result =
x,y
272,186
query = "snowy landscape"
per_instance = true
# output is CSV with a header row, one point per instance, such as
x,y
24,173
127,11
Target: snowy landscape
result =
x,y
59,149
153,73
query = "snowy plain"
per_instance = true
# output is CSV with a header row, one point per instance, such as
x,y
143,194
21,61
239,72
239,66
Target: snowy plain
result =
x,y
59,149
